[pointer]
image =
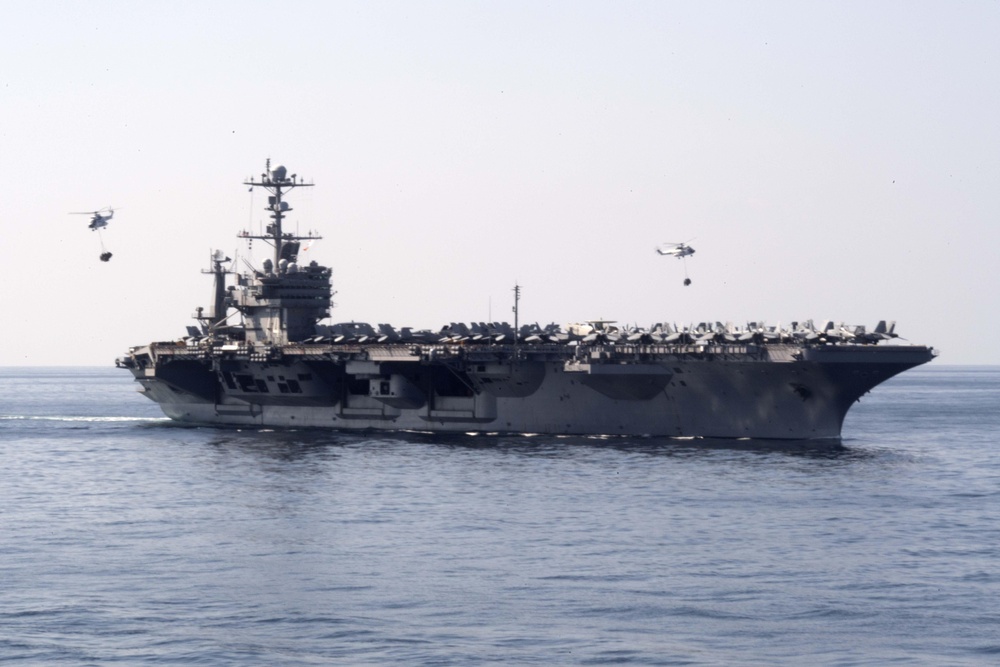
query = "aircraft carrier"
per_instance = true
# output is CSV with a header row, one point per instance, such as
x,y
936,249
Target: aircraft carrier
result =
x,y
261,356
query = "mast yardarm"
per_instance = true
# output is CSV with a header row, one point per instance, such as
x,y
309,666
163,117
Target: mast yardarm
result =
x,y
277,182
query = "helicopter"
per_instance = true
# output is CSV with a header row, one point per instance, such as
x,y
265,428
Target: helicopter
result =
x,y
99,218
680,251
677,250
98,221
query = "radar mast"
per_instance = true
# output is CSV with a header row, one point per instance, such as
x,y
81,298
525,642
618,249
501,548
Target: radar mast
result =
x,y
277,182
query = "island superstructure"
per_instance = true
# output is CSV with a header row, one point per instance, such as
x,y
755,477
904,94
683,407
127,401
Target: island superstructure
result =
x,y
263,356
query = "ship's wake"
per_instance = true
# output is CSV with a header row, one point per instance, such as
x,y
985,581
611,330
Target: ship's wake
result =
x,y
84,419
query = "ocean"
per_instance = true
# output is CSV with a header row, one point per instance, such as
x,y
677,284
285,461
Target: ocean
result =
x,y
128,539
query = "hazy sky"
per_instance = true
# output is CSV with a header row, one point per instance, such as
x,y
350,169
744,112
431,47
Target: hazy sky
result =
x,y
831,160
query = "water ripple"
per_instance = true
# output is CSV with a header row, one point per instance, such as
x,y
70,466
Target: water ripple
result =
x,y
130,539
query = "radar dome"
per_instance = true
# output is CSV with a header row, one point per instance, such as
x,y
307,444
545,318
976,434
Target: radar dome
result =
x,y
279,173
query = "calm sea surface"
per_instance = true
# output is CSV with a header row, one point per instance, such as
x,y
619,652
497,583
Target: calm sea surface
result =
x,y
127,539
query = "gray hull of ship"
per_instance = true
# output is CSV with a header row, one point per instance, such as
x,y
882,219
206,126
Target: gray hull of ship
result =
x,y
790,399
